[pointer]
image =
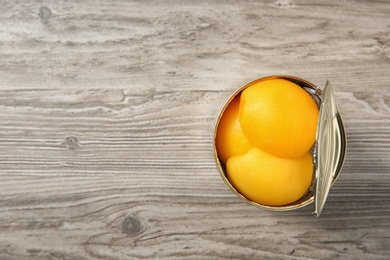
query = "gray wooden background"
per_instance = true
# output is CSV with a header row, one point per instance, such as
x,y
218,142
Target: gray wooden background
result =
x,y
107,110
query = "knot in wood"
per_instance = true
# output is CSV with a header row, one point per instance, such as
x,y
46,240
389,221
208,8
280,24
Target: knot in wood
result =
x,y
284,3
132,226
71,142
44,13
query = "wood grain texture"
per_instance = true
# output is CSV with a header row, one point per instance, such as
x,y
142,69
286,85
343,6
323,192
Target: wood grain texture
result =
x,y
107,112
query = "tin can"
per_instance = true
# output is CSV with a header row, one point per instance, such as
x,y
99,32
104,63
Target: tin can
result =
x,y
328,152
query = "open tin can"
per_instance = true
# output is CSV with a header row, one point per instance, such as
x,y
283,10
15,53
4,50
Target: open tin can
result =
x,y
328,151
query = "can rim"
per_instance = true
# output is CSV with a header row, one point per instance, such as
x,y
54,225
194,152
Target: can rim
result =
x,y
308,198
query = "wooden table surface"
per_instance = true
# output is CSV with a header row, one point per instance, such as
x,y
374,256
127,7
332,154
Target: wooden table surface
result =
x,y
107,112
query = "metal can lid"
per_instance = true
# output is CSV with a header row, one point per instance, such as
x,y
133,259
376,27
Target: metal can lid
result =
x,y
329,149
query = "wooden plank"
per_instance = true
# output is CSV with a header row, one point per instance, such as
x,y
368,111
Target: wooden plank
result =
x,y
88,175
187,45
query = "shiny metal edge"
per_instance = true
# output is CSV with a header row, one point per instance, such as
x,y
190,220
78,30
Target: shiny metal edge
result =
x,y
328,148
